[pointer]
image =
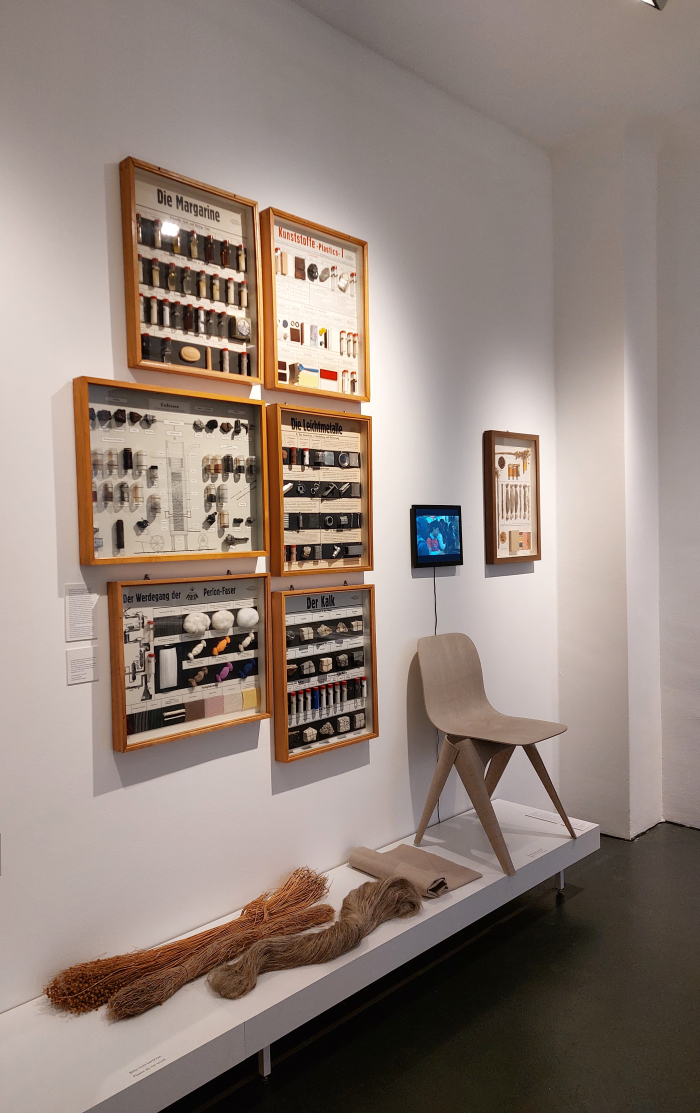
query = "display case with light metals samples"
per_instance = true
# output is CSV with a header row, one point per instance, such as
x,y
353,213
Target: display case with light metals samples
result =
x,y
320,468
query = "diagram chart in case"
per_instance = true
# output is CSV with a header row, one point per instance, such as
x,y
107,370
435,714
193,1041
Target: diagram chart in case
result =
x,y
187,656
163,475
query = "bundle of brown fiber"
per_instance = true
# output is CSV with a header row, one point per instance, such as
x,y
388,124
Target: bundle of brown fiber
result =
x,y
154,975
363,910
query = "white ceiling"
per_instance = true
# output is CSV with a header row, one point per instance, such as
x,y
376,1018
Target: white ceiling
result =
x,y
544,68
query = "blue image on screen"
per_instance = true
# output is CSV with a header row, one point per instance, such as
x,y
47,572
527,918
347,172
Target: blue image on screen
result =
x,y
437,536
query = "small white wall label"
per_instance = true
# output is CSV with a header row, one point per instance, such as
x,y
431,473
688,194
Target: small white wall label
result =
x,y
79,612
81,665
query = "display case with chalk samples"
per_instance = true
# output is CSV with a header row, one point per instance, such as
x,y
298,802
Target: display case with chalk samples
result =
x,y
324,669
191,275
168,475
188,656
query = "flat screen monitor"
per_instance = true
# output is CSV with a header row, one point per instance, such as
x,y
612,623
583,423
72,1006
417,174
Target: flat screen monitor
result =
x,y
436,535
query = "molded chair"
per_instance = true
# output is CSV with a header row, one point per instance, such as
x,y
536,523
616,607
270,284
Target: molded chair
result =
x,y
479,741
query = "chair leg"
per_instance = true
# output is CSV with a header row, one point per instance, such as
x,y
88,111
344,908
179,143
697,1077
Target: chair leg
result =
x,y
540,768
471,773
446,760
497,767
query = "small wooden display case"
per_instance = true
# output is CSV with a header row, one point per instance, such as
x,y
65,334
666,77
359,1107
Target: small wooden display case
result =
x,y
167,474
320,490
316,308
325,675
191,276
188,656
511,497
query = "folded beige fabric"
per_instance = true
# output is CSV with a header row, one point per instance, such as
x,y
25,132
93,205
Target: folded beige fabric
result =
x,y
430,873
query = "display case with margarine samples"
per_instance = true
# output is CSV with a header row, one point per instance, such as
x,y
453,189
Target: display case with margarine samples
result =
x,y
324,670
320,490
191,272
316,322
168,475
188,656
512,497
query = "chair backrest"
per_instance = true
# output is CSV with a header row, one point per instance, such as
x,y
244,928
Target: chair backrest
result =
x,y
453,683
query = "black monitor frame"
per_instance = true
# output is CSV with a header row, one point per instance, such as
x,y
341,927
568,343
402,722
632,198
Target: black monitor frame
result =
x,y
435,510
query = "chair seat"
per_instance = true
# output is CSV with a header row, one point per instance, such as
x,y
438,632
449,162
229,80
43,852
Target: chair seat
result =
x,y
455,699
453,687
491,726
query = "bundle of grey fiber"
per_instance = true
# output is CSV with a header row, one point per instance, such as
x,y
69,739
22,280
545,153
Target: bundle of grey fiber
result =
x,y
364,909
134,982
154,989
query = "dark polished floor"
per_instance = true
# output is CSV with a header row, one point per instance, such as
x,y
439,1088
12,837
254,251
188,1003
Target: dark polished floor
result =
x,y
585,1004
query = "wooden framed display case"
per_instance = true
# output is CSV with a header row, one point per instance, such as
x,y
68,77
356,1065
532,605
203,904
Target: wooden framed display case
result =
x,y
512,497
317,308
188,656
325,675
168,475
320,490
191,275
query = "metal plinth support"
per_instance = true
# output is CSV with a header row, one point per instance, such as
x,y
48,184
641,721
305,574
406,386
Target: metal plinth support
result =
x,y
560,882
265,1062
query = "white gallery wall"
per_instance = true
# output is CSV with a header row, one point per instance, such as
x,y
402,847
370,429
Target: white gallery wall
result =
x,y
105,852
679,421
626,199
605,201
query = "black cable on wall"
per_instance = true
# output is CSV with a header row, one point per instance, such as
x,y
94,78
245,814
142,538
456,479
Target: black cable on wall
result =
x,y
437,732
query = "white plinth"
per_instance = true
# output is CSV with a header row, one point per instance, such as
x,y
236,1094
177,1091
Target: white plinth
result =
x,y
59,1063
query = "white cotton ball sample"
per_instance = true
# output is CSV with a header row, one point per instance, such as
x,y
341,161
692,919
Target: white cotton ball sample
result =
x,y
196,623
247,617
222,620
